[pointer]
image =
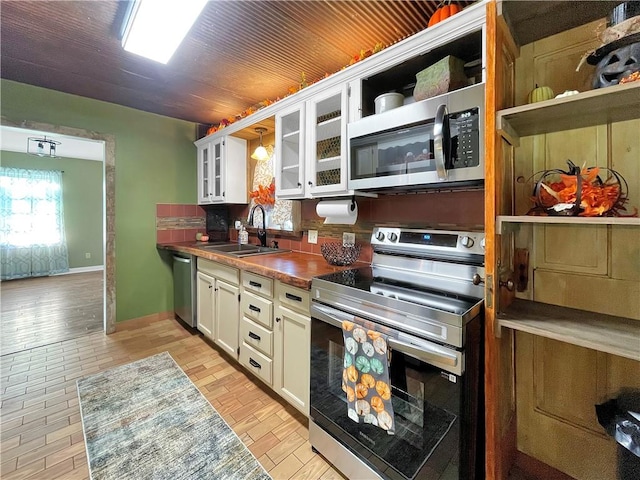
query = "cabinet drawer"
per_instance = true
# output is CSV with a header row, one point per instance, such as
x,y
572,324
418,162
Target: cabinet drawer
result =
x,y
217,270
257,336
257,284
293,297
255,361
258,309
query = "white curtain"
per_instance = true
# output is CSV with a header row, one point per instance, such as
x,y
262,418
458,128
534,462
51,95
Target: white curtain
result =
x,y
32,237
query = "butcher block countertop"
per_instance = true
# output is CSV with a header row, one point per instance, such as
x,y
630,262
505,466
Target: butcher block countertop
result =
x,y
293,268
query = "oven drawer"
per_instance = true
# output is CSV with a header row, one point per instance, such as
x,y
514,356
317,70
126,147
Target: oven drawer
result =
x,y
294,298
258,309
259,337
257,284
258,363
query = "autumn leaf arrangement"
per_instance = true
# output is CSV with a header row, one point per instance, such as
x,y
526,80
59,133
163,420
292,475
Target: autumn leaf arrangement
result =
x,y
264,195
585,192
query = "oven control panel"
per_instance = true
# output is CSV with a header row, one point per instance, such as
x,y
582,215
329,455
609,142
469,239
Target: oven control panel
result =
x,y
436,241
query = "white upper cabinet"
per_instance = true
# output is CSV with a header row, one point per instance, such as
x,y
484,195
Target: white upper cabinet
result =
x,y
290,153
311,147
222,170
327,142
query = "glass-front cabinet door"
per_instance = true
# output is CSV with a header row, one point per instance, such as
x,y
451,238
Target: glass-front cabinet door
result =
x,y
327,146
290,157
204,173
217,192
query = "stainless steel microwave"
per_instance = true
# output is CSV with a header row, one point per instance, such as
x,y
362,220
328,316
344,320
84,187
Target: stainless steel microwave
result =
x,y
424,144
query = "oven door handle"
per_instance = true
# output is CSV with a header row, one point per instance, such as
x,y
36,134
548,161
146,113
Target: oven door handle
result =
x,y
423,350
329,315
430,353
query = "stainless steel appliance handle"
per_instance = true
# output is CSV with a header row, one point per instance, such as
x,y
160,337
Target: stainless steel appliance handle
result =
x,y
422,350
438,141
425,351
181,259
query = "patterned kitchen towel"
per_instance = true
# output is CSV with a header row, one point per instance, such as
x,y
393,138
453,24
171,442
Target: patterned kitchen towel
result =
x,y
365,377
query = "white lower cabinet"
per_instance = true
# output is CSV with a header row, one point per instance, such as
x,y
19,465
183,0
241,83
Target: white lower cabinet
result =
x,y
206,302
259,364
227,317
256,334
292,340
268,331
218,295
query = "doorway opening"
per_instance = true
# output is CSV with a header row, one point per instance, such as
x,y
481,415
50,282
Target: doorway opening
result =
x,y
96,296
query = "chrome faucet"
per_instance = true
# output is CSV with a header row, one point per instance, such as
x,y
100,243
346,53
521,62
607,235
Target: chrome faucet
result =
x,y
262,234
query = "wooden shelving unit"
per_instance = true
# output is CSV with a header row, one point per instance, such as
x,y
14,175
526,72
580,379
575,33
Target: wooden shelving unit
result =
x,y
503,220
604,333
594,107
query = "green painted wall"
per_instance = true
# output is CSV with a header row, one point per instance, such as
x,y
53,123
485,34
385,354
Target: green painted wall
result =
x,y
155,163
82,202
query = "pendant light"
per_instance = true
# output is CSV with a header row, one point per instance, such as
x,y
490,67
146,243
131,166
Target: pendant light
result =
x,y
260,153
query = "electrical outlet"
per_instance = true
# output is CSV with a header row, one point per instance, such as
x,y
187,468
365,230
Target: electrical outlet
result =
x,y
313,236
348,238
87,255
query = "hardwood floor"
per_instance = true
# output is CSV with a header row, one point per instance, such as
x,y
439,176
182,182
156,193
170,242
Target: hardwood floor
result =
x,y
45,310
40,426
41,432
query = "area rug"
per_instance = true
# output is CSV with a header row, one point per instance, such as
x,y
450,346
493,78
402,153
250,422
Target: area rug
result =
x,y
147,420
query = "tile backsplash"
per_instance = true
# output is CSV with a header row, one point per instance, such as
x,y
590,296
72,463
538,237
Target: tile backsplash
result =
x,y
178,222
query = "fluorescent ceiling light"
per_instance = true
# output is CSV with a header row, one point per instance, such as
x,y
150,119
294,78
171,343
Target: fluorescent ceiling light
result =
x,y
155,28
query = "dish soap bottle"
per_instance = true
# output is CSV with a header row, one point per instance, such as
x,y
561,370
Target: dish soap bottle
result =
x,y
243,235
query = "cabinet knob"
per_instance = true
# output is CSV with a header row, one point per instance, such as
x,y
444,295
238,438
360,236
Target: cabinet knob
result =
x,y
299,184
210,286
509,285
310,182
477,279
278,319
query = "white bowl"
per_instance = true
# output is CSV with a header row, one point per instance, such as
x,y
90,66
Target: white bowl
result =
x,y
388,101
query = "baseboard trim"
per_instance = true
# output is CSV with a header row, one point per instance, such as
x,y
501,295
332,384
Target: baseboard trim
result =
x,y
535,469
95,268
138,322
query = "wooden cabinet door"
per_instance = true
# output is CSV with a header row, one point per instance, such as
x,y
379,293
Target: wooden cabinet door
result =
x,y
292,339
205,309
227,314
558,386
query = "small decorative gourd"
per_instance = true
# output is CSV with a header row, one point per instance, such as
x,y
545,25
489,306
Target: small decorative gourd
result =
x,y
445,10
540,94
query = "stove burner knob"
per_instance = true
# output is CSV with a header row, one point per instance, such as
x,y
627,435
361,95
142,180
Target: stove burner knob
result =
x,y
380,236
466,241
393,237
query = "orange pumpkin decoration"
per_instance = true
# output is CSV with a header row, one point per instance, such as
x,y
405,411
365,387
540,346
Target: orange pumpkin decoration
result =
x,y
445,10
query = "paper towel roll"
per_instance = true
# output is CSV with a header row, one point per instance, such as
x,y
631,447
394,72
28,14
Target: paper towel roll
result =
x,y
343,212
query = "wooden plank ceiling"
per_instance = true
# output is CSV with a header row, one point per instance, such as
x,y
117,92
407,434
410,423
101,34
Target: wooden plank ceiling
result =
x,y
237,54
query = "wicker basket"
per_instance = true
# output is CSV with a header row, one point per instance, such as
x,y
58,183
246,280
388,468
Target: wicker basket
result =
x,y
339,254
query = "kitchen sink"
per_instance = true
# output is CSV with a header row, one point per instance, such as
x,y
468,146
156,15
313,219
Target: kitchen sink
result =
x,y
245,250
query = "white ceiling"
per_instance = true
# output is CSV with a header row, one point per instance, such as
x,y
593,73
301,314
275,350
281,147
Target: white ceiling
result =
x,y
14,139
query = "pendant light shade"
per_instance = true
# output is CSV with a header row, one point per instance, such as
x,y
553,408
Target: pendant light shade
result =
x,y
260,154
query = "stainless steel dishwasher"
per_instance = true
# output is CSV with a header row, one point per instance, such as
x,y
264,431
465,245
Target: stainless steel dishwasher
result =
x,y
184,288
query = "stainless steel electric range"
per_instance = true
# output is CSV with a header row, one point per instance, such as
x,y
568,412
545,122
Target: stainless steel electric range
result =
x,y
424,290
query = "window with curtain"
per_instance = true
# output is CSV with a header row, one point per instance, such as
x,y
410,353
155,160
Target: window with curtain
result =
x,y
32,237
